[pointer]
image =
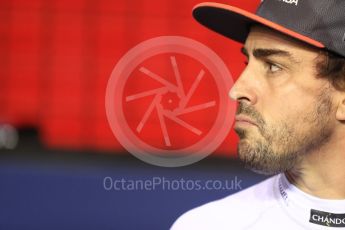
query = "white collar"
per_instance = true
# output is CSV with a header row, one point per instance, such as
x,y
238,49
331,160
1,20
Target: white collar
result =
x,y
299,204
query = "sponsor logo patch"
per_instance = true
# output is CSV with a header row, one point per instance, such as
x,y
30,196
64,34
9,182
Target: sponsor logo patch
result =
x,y
327,219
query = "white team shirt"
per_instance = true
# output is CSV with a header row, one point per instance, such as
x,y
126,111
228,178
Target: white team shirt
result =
x,y
272,204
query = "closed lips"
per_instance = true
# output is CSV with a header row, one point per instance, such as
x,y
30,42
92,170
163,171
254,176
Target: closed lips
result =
x,y
244,119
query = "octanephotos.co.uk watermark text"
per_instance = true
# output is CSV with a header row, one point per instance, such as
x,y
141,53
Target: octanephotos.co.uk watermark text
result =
x,y
167,184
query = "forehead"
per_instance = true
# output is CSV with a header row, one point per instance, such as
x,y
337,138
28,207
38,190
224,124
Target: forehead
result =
x,y
263,37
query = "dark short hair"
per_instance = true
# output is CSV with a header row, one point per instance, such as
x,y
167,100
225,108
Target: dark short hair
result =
x,y
331,66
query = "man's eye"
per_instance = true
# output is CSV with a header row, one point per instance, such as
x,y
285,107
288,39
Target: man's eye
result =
x,y
273,67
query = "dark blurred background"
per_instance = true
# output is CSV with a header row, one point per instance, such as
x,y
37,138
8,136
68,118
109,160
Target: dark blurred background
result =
x,y
56,146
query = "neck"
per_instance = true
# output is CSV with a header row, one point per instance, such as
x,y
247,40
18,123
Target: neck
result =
x,y
322,173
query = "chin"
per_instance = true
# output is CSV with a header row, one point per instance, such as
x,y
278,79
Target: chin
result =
x,y
260,159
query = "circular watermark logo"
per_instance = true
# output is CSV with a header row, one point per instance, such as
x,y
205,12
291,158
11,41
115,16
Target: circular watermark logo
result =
x,y
167,101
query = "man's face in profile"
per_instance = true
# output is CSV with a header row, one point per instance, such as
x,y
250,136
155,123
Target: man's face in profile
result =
x,y
285,112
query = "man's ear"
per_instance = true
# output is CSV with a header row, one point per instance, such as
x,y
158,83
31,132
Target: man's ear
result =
x,y
340,115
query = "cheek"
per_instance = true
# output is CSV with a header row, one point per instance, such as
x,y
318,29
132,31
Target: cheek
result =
x,y
289,102
288,118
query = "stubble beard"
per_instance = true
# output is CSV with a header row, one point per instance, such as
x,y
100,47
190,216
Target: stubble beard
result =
x,y
282,146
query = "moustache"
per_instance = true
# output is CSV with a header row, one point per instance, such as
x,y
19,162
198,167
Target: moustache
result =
x,y
251,112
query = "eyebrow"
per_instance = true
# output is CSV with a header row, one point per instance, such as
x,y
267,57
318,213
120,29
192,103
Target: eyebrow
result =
x,y
264,53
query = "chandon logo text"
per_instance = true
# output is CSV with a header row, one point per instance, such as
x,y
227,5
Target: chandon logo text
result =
x,y
326,218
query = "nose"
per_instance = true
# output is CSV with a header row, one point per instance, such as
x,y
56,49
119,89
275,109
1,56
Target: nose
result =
x,y
244,88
